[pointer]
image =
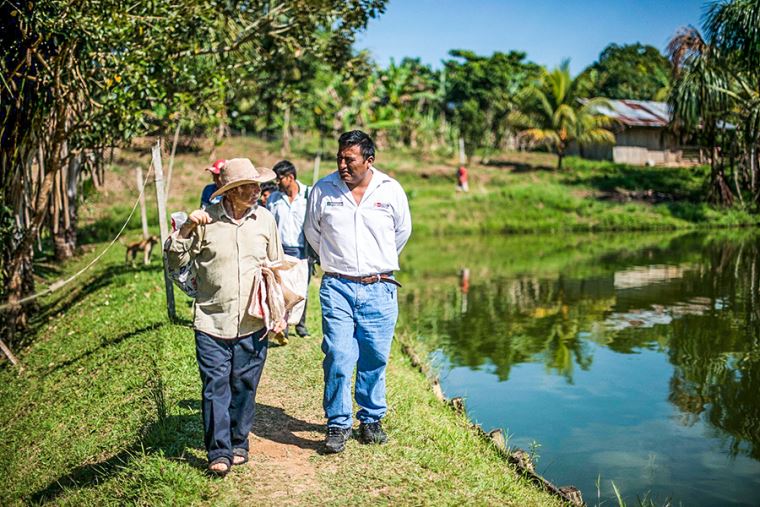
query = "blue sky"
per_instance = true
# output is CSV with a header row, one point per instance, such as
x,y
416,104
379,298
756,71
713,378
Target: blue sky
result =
x,y
547,30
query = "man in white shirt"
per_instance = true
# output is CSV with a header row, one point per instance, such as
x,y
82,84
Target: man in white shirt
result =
x,y
358,221
288,205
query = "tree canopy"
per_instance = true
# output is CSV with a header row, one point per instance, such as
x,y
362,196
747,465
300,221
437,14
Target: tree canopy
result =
x,y
628,71
80,77
716,95
482,91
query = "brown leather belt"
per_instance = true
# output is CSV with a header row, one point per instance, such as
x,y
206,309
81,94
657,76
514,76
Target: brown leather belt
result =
x,y
380,277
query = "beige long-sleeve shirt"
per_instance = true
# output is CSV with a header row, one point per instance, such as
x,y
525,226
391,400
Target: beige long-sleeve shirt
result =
x,y
225,256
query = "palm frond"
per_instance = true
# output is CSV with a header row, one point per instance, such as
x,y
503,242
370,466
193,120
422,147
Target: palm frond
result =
x,y
599,135
542,136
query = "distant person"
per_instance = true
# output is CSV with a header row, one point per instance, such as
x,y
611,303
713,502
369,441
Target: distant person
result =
x,y
266,190
462,184
288,205
207,198
358,221
226,244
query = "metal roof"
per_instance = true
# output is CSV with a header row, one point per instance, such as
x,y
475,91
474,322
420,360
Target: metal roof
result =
x,y
638,113
645,113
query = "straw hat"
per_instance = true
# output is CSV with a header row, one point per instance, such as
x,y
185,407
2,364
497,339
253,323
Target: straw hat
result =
x,y
240,171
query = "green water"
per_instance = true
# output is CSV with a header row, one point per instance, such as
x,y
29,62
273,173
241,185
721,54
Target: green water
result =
x,y
629,358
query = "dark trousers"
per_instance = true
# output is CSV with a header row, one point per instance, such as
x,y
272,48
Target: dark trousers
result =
x,y
230,373
300,253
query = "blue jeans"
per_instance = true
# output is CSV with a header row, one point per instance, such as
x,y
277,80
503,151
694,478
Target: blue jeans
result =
x,y
357,322
230,371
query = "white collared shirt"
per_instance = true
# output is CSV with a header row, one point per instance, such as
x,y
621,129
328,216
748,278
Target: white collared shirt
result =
x,y
289,215
363,239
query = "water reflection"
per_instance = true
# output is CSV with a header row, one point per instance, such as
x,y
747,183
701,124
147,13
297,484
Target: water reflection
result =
x,y
689,299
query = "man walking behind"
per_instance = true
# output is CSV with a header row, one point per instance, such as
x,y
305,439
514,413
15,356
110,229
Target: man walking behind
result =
x,y
288,205
358,221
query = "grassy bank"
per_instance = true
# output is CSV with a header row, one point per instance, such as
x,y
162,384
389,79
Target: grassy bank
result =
x,y
107,408
520,192
107,412
513,192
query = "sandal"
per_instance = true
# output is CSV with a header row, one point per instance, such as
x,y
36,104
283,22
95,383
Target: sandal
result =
x,y
239,453
220,460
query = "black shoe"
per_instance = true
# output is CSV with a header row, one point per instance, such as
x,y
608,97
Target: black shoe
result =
x,y
336,439
302,331
372,433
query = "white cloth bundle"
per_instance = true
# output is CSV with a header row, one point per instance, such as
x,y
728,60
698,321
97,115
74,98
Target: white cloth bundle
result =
x,y
279,291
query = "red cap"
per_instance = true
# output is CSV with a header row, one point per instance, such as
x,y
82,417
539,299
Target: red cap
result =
x,y
217,166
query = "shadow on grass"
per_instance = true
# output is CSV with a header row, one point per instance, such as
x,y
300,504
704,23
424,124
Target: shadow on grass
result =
x,y
105,229
44,267
688,211
273,423
76,292
177,438
518,167
680,190
673,184
106,343
68,296
171,436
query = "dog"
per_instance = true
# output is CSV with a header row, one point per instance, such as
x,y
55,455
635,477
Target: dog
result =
x,y
145,245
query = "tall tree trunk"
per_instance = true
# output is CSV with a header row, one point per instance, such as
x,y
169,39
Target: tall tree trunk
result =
x,y
720,190
18,276
64,229
561,148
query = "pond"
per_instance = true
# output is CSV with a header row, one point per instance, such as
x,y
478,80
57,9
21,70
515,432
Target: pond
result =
x,y
627,358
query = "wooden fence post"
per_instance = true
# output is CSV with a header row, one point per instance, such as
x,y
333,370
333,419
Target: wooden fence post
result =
x,y
171,158
161,198
143,215
462,154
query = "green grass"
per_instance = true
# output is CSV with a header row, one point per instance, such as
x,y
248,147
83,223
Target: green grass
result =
x,y
107,408
106,412
584,197
515,192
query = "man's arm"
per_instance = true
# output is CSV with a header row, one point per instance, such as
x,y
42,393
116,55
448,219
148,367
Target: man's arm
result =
x,y
183,242
311,228
274,248
402,219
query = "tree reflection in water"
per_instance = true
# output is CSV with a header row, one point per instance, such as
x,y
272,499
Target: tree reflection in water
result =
x,y
694,298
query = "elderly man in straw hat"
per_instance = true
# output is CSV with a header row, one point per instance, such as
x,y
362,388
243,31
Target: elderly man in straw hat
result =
x,y
226,243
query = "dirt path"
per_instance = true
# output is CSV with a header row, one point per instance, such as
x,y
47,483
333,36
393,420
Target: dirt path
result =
x,y
283,468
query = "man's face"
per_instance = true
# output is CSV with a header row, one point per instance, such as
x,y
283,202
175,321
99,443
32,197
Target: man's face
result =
x,y
352,166
264,197
284,182
246,194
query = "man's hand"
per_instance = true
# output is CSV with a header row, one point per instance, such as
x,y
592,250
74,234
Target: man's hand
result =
x,y
196,218
280,326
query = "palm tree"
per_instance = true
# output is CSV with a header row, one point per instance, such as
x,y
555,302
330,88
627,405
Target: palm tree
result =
x,y
554,115
716,93
697,102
